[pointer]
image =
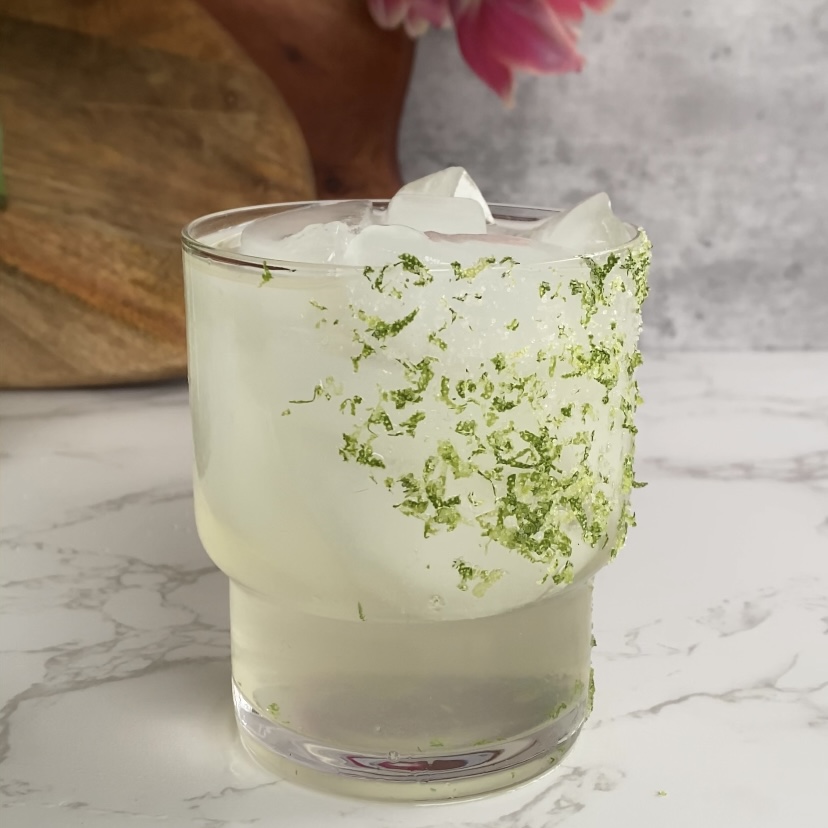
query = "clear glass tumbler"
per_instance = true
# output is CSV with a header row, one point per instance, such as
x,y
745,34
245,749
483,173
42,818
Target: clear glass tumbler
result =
x,y
410,478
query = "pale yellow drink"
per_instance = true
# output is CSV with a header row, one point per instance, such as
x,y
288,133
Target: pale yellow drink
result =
x,y
410,475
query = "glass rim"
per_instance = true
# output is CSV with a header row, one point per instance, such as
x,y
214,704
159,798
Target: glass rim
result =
x,y
192,245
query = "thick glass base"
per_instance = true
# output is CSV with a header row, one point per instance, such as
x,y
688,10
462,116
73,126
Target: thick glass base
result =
x,y
432,775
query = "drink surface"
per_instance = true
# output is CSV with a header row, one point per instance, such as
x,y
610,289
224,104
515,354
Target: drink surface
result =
x,y
413,451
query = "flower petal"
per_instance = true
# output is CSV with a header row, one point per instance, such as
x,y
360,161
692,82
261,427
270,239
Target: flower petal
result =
x,y
388,14
490,69
573,9
436,12
416,15
474,40
415,26
497,36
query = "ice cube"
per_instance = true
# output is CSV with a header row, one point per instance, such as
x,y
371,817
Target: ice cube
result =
x,y
470,249
441,213
380,245
262,237
514,227
453,182
588,228
315,244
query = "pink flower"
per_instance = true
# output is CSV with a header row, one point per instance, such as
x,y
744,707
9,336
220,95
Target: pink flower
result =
x,y
415,15
498,37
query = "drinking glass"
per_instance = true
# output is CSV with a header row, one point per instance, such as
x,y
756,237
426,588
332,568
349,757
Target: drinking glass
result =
x,y
410,476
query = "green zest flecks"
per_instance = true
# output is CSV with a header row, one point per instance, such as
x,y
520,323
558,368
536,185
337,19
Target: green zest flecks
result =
x,y
530,444
592,291
591,691
558,710
481,578
276,714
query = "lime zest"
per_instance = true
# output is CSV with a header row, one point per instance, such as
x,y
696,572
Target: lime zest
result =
x,y
501,463
266,274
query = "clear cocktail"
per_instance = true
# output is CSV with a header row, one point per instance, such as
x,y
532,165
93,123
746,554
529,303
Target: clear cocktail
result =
x,y
413,452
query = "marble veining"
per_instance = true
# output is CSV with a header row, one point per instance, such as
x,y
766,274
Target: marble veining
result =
x,y
712,626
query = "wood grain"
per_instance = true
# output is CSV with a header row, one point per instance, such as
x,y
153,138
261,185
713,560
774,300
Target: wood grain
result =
x,y
122,121
343,77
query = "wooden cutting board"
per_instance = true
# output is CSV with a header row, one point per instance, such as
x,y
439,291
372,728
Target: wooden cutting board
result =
x,y
122,120
343,77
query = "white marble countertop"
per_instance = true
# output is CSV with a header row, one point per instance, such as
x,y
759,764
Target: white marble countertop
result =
x,y
712,625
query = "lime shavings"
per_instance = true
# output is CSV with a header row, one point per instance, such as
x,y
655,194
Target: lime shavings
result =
x,y
501,462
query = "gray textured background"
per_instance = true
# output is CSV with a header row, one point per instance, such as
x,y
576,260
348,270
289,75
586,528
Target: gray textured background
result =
x,y
705,121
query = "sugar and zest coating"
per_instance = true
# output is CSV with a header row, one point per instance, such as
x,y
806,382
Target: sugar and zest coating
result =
x,y
516,434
